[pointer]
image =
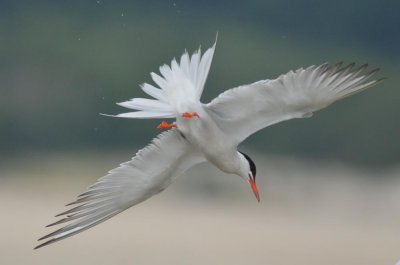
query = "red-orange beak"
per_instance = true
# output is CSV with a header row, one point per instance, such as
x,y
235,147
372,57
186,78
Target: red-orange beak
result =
x,y
254,188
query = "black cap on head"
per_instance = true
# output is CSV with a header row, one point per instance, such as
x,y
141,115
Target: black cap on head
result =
x,y
252,165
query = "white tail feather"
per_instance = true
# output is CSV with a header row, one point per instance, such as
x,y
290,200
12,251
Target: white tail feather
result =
x,y
146,104
178,85
146,115
154,92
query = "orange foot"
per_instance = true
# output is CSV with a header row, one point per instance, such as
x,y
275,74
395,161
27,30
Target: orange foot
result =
x,y
190,115
165,125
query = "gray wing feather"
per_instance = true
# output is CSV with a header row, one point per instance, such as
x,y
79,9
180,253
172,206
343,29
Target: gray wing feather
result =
x,y
149,172
243,110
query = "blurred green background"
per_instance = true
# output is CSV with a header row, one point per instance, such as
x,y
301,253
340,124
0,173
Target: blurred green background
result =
x,y
63,63
330,185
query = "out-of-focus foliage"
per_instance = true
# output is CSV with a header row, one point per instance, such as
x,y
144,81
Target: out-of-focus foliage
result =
x,y
64,62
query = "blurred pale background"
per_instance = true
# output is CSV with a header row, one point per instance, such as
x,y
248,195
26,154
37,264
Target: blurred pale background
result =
x,y
330,185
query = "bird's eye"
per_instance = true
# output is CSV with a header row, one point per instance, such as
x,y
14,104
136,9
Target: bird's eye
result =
x,y
251,164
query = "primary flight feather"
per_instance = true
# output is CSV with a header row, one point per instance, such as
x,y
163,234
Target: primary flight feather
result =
x,y
204,132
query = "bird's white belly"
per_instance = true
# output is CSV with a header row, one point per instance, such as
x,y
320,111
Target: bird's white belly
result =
x,y
204,134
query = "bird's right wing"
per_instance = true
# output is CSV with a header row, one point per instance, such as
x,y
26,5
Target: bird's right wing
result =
x,y
243,110
149,172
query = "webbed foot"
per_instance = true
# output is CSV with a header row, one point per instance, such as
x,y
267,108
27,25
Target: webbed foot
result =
x,y
190,115
166,125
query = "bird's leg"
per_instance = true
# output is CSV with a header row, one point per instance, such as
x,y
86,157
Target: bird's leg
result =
x,y
190,115
166,125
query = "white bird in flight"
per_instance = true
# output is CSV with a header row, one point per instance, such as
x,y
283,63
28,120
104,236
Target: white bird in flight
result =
x,y
204,132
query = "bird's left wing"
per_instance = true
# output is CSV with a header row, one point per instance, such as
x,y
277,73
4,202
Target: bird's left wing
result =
x,y
243,110
149,172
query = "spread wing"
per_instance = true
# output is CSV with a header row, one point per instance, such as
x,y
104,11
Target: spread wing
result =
x,y
149,172
243,110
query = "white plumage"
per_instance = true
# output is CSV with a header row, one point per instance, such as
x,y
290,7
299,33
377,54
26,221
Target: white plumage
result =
x,y
212,134
181,84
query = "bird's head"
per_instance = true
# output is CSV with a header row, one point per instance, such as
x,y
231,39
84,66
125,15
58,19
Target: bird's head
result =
x,y
248,172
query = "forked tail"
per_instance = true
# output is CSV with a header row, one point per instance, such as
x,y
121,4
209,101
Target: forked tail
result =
x,y
178,84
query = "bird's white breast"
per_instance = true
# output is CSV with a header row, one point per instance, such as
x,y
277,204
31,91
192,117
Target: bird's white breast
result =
x,y
205,135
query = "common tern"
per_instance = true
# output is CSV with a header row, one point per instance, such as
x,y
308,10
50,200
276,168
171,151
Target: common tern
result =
x,y
204,132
